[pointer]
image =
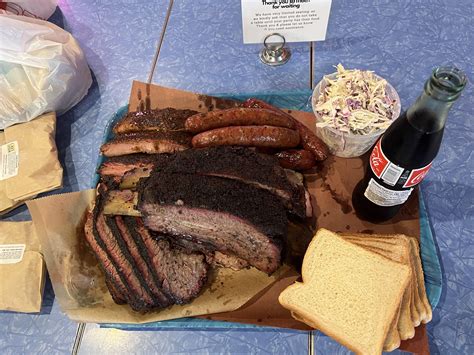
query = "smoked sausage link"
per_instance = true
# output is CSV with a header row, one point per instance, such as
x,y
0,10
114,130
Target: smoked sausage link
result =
x,y
296,159
309,140
237,117
249,136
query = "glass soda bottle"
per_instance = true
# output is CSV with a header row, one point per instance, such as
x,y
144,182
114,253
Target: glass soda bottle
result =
x,y
403,155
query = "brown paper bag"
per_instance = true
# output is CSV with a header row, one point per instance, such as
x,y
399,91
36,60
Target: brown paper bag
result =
x,y
22,270
39,169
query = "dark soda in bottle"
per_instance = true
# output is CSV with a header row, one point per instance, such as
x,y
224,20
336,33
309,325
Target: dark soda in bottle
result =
x,y
403,155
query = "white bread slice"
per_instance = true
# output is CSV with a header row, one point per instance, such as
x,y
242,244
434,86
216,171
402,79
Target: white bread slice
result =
x,y
423,308
416,259
399,253
347,292
393,341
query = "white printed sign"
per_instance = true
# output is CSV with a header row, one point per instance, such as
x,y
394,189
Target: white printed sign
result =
x,y
296,20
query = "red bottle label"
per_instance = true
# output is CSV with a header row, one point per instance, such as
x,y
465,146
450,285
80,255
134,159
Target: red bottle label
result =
x,y
416,175
378,160
392,174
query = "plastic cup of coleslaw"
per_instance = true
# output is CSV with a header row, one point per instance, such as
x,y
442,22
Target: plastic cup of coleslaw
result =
x,y
347,144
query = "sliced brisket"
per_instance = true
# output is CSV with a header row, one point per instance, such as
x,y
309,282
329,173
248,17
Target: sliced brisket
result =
x,y
119,165
123,289
181,275
148,142
168,119
137,249
234,217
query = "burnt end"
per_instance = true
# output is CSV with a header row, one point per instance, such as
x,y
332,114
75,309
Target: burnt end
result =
x,y
244,164
168,119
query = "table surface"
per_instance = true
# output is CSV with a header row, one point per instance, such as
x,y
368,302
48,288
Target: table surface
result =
x,y
203,52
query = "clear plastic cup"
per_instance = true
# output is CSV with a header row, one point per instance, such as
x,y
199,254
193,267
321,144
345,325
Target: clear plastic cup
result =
x,y
346,144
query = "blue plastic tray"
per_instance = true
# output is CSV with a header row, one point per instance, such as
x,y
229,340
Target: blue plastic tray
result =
x,y
294,101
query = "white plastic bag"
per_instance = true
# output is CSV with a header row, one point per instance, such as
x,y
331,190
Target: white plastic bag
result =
x,y
42,69
31,8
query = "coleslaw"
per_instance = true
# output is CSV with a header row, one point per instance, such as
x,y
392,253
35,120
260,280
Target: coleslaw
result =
x,y
355,102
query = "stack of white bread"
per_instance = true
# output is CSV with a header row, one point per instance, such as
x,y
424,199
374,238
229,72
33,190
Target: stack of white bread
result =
x,y
366,291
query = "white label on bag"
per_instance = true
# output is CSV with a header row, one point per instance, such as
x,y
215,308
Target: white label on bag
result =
x,y
11,253
296,20
9,159
382,196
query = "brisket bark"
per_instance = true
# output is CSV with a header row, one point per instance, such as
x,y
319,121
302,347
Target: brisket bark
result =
x,y
235,218
244,164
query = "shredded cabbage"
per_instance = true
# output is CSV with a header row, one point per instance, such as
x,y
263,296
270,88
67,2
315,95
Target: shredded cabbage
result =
x,y
355,102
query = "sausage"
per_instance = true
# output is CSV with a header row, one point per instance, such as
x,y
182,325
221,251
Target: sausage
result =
x,y
309,140
253,136
237,117
296,159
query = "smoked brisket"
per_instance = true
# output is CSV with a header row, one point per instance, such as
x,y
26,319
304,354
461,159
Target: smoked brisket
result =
x,y
243,164
233,217
168,119
148,142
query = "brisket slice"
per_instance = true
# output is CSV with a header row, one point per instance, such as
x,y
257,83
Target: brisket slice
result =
x,y
137,249
213,257
180,274
235,218
148,142
117,296
244,164
118,251
168,119
119,165
123,289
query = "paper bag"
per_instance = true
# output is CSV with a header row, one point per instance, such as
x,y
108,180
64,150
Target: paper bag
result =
x,y
39,170
22,270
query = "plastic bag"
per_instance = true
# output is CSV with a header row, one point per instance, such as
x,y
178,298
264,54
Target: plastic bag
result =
x,y
31,8
42,69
